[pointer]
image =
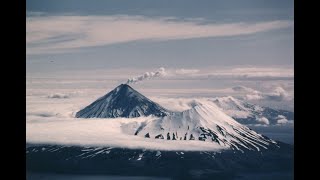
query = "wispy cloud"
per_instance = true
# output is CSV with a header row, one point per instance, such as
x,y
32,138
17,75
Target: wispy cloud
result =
x,y
254,73
58,96
53,34
186,71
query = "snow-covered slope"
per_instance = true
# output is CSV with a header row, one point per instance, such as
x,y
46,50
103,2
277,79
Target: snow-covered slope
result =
x,y
123,101
247,113
204,122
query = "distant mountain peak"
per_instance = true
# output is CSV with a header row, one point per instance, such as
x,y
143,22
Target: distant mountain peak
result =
x,y
248,113
123,101
124,87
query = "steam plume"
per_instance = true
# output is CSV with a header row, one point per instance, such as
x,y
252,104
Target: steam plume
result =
x,y
147,75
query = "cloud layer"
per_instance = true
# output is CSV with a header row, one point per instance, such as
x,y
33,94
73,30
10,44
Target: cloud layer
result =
x,y
54,34
102,132
278,94
243,73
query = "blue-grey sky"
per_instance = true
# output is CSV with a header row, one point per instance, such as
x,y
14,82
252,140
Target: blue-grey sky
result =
x,y
207,43
213,10
270,46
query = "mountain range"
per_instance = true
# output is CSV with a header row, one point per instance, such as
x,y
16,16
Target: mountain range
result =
x,y
219,122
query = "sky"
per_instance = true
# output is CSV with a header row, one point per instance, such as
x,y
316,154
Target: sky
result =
x,y
204,45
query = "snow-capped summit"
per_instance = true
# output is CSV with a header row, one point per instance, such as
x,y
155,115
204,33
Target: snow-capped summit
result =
x,y
123,101
204,122
248,113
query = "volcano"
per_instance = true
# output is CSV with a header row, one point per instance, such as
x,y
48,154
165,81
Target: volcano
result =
x,y
123,101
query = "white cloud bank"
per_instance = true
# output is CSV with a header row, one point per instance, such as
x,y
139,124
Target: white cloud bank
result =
x,y
264,120
103,132
283,120
54,34
278,94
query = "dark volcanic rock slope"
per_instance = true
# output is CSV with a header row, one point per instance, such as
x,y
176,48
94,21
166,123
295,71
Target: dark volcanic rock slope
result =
x,y
123,101
171,164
